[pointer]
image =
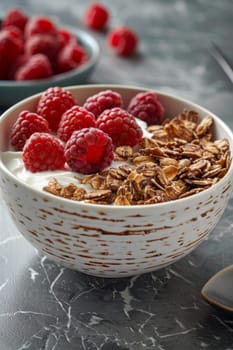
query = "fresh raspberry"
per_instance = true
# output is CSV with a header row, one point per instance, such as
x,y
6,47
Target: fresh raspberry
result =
x,y
42,43
103,100
70,57
10,47
120,126
123,40
96,16
19,62
43,152
15,32
53,103
65,37
4,70
146,106
75,118
37,67
26,124
40,25
89,150
15,17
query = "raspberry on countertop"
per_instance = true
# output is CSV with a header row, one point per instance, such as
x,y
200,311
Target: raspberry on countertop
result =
x,y
96,16
123,40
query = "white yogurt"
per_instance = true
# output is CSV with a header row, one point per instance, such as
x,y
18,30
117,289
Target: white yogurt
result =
x,y
14,163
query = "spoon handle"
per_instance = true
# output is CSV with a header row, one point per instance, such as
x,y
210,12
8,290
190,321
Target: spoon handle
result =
x,y
222,60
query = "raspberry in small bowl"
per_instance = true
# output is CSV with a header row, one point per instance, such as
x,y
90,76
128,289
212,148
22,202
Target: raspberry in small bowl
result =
x,y
107,206
37,53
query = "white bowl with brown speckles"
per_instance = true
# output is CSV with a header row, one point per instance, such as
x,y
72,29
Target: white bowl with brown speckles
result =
x,y
113,241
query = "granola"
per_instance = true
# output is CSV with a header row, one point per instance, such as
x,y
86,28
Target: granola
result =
x,y
180,159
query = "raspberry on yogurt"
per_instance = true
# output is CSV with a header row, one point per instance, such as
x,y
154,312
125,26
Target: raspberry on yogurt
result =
x,y
147,107
61,135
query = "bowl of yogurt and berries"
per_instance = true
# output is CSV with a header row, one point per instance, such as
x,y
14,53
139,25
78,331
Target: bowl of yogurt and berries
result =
x,y
114,180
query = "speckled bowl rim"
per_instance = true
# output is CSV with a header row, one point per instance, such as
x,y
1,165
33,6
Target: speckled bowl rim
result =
x,y
129,208
86,39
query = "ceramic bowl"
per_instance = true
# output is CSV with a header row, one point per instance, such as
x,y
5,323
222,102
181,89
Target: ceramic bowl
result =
x,y
13,91
113,241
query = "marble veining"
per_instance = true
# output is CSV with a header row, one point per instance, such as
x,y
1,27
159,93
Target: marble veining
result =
x,y
45,306
60,308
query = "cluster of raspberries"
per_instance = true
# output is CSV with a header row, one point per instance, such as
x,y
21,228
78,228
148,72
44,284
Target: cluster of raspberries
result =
x,y
122,39
61,134
35,48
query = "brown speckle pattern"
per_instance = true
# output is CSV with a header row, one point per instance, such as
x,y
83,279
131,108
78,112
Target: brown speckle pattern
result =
x,y
113,241
88,243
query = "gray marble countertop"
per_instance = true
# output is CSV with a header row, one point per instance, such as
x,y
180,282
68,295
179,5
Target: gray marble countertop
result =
x,y
45,306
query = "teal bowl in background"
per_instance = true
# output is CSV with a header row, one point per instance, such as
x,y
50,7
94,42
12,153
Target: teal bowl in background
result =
x,y
13,91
